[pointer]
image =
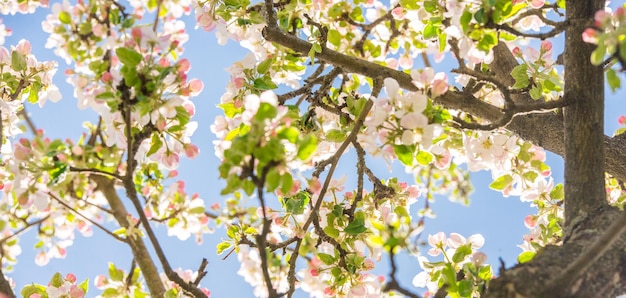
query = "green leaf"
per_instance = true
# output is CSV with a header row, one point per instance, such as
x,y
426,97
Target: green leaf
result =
x,y
307,146
557,192
31,289
536,91
466,18
465,288
56,280
128,57
424,158
84,285
404,153
326,258
485,273
488,41
461,253
332,232
156,144
18,61
449,276
171,293
430,31
33,94
264,66
289,133
409,4
597,56
222,246
336,135
296,203
613,79
266,111
501,183
520,74
115,274
334,37
264,83
525,257
110,293
65,17
286,182
272,180
530,176
315,48
355,227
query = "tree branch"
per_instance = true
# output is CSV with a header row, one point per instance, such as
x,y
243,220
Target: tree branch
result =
x,y
140,252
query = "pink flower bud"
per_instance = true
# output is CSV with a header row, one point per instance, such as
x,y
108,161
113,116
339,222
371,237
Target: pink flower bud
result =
x,y
191,150
546,46
183,65
136,33
195,86
590,35
314,272
107,77
530,221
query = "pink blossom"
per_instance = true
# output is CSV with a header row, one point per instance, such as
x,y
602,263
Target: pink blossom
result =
x,y
536,3
398,13
479,258
546,46
530,221
621,120
195,86
413,120
602,18
440,85
590,35
23,47
70,277
191,150
170,159
437,242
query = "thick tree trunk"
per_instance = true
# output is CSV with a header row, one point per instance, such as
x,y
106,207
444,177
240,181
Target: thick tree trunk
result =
x,y
577,135
583,119
587,215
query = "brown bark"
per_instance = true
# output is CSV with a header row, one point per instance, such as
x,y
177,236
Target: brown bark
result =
x,y
577,135
140,252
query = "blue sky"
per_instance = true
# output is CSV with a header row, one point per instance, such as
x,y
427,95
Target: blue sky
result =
x,y
499,219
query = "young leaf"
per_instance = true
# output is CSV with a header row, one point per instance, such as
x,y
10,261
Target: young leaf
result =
x,y
501,183
613,79
355,227
18,61
525,257
128,57
307,146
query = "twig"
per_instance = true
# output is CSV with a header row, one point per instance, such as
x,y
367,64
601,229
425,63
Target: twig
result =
x,y
97,171
69,208
201,272
393,284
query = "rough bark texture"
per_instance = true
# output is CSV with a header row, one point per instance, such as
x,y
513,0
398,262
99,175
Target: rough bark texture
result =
x,y
584,119
587,214
140,252
576,134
